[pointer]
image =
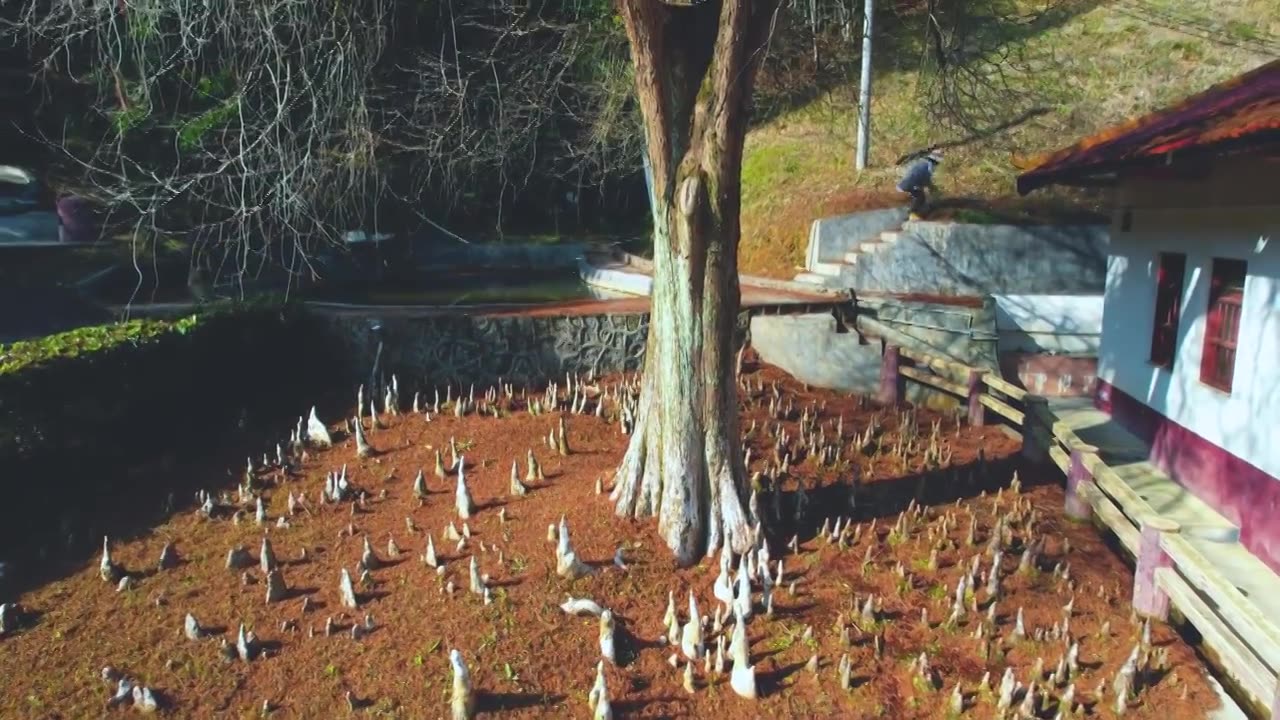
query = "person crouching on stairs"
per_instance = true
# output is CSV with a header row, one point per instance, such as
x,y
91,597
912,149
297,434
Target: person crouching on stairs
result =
x,y
918,180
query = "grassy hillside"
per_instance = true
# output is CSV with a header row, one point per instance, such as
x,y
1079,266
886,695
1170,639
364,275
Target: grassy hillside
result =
x,y
1119,59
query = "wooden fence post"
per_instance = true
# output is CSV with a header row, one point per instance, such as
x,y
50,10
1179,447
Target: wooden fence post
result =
x,y
977,413
890,380
1035,437
1148,599
1077,507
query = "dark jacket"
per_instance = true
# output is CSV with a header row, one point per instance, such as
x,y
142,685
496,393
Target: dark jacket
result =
x,y
919,174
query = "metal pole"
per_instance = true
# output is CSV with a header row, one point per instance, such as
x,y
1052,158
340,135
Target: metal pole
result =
x,y
864,90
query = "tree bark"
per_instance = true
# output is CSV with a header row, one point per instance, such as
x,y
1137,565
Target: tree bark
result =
x,y
694,68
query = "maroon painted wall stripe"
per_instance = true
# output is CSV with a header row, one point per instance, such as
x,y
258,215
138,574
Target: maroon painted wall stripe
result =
x,y
1241,492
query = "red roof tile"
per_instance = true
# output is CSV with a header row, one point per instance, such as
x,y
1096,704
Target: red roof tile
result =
x,y
1244,108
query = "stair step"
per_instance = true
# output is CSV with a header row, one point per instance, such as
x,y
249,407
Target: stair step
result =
x,y
870,247
829,269
890,236
851,257
811,278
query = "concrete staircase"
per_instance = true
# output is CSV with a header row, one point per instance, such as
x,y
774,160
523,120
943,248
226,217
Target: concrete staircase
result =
x,y
835,274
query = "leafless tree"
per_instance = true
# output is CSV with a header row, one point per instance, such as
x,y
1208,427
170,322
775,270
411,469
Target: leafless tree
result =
x,y
257,130
506,94
244,128
977,68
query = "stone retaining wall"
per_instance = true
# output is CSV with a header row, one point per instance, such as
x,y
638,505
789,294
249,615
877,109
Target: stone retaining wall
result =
x,y
433,351
965,333
975,260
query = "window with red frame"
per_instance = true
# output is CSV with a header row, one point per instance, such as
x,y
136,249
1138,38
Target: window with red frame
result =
x,y
1164,335
1222,326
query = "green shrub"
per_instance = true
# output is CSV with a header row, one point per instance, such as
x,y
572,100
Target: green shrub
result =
x,y
26,354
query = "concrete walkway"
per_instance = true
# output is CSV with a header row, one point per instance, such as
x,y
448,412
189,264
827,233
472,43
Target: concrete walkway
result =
x,y
1211,534
1127,455
634,275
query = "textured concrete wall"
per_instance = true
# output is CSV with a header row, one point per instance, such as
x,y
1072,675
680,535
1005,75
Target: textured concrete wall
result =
x,y
1060,324
1051,375
614,280
461,350
830,238
809,348
964,333
1246,421
969,260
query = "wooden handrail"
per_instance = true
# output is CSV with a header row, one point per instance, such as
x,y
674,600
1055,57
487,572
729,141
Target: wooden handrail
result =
x,y
935,363
1112,516
1001,385
1231,603
1065,435
1017,417
1132,504
1060,458
1247,642
1239,660
902,340
934,380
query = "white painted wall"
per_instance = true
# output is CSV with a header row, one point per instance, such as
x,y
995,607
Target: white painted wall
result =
x,y
1245,422
1064,324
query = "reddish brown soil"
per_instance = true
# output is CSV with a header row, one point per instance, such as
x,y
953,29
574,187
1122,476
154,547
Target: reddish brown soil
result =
x,y
527,658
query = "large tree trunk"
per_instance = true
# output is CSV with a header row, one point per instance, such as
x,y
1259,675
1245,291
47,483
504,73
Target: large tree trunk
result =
x,y
694,69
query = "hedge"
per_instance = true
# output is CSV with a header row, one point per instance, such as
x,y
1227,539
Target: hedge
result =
x,y
102,392
27,354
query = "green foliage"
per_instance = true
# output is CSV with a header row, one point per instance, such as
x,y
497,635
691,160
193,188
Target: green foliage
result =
x,y
218,86
125,120
142,25
190,134
26,354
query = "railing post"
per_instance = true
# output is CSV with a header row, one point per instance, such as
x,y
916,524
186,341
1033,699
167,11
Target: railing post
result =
x,y
977,413
1148,599
890,380
1077,507
1035,438
1275,704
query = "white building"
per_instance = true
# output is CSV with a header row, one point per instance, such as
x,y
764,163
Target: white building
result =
x,y
1189,358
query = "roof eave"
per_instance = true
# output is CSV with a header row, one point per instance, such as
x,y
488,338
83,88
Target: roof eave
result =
x,y
1081,177
1105,174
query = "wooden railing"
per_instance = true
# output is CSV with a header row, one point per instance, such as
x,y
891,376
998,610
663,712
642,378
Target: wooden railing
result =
x,y
981,389
1169,570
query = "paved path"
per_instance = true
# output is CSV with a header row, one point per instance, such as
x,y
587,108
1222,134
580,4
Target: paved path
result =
x,y
1210,533
756,293
1127,455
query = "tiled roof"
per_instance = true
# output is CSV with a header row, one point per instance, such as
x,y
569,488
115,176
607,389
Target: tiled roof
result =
x,y
1245,109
